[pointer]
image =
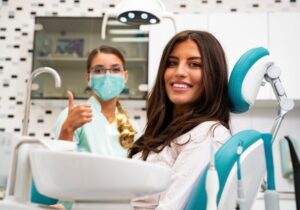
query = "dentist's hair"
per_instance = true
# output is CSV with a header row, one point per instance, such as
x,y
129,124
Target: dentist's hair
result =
x,y
213,104
125,128
104,49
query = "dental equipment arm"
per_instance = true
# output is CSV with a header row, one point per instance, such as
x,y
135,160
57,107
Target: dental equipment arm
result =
x,y
284,104
270,195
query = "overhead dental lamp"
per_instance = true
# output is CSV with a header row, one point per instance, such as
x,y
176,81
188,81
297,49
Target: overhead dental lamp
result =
x,y
138,12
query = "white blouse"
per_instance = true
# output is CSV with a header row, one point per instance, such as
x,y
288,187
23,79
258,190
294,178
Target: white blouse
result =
x,y
187,162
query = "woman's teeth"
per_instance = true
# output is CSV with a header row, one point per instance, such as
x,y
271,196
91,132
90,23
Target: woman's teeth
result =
x,y
180,85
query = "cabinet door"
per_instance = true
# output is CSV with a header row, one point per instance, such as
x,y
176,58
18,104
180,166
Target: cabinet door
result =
x,y
239,33
285,47
160,34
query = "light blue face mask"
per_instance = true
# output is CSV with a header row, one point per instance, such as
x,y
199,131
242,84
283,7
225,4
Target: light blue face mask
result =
x,y
107,86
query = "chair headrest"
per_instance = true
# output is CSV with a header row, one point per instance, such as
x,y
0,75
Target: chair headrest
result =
x,y
246,78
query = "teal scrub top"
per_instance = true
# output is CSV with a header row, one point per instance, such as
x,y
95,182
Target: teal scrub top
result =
x,y
97,136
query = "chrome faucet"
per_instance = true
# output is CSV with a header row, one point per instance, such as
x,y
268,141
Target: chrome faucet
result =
x,y
34,74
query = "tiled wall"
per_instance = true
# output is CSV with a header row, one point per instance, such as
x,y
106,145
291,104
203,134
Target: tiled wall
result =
x,y
16,47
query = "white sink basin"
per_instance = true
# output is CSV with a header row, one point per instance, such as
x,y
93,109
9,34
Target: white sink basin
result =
x,y
88,177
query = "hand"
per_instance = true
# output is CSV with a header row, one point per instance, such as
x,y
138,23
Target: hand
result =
x,y
78,115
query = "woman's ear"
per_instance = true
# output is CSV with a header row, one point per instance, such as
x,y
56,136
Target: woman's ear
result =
x,y
126,76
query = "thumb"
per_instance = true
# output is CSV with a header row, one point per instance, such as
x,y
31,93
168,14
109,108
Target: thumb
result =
x,y
71,99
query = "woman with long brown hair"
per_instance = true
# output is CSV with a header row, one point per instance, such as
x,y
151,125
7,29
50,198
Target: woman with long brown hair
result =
x,y
187,110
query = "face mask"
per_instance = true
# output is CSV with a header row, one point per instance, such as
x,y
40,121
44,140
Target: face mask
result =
x,y
107,86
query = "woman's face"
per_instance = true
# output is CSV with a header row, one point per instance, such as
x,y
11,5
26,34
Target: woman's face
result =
x,y
183,75
108,61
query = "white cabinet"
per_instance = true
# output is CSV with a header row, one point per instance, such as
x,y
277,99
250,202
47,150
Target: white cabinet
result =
x,y
239,32
284,32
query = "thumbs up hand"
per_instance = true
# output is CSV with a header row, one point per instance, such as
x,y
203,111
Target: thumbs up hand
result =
x,y
78,115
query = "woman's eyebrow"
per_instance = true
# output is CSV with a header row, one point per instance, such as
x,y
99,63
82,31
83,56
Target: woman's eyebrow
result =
x,y
116,64
99,65
194,58
173,57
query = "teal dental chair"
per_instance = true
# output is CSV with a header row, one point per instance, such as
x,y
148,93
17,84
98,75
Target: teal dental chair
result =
x,y
242,162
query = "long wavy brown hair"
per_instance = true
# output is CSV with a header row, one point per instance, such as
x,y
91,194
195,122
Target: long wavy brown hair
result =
x,y
125,128
162,128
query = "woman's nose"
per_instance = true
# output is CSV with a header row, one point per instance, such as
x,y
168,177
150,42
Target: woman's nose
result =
x,y
181,70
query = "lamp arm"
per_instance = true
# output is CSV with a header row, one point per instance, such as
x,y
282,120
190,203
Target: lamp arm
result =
x,y
170,16
109,13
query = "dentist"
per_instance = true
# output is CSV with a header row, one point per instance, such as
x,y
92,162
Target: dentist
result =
x,y
101,125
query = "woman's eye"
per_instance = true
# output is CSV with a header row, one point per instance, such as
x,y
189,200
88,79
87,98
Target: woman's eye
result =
x,y
116,69
195,65
172,63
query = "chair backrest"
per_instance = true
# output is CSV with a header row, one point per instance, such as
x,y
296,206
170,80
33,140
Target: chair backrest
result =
x,y
245,80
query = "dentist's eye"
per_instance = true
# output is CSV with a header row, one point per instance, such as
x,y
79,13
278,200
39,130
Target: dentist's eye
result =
x,y
97,70
116,69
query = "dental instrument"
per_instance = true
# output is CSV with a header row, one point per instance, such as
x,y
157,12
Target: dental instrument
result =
x,y
241,202
34,74
212,181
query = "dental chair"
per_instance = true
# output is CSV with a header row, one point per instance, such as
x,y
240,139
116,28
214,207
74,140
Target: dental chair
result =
x,y
244,160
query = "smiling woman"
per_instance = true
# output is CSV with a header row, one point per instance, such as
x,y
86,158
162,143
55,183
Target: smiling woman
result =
x,y
188,110
183,76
